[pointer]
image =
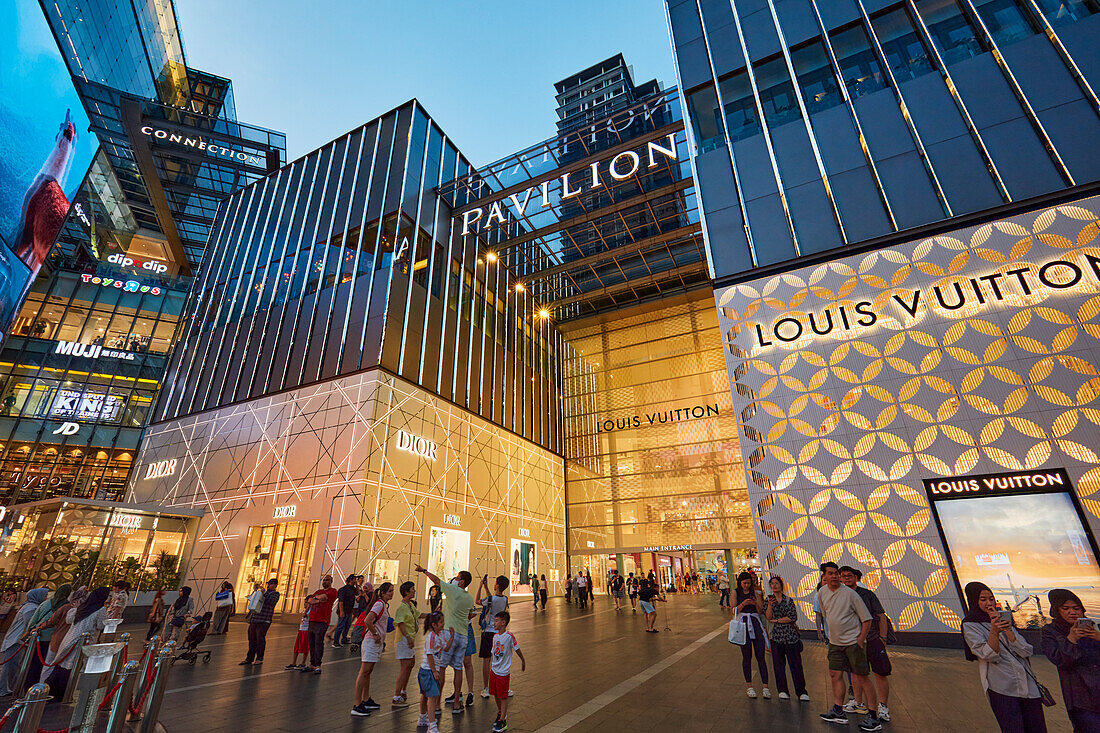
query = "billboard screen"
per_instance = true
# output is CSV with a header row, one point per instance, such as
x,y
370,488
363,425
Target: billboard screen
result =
x,y
45,148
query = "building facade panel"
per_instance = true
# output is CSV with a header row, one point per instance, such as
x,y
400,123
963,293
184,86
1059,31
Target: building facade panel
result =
x,y
863,382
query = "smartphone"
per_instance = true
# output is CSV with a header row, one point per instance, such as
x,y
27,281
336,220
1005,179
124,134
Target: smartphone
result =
x,y
1086,623
1006,616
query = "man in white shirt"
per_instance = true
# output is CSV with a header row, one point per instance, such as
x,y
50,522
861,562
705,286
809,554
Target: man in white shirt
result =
x,y
847,621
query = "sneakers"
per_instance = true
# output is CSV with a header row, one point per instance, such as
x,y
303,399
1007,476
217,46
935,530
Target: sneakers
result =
x,y
361,710
855,707
400,702
457,711
370,704
433,727
804,697
784,696
500,726
870,724
835,717
767,694
485,693
423,721
883,713
449,699
751,693
305,668
336,645
316,670
512,694
292,667
469,699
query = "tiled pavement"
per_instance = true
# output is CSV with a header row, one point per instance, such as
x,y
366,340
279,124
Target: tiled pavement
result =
x,y
591,670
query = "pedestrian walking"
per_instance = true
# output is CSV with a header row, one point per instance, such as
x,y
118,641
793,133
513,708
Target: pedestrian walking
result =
x,y
543,592
437,648
590,589
535,591
1072,643
345,607
569,588
259,621
377,626
632,592
780,609
877,658
405,622
491,605
617,585
848,622
500,677
1002,654
458,609
723,590
224,601
182,609
748,632
156,613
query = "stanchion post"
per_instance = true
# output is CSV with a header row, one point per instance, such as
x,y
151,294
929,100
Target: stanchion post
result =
x,y
78,662
121,704
119,660
156,695
148,658
33,706
25,663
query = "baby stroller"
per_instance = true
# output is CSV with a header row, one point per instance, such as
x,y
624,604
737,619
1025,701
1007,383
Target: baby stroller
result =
x,y
196,635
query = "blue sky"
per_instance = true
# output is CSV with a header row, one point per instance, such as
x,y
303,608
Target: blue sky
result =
x,y
484,69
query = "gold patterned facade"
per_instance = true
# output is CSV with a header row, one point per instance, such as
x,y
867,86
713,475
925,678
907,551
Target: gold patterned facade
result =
x,y
973,352
652,457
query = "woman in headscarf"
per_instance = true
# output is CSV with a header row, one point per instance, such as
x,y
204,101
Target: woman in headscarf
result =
x,y
181,610
9,648
40,622
59,621
1072,643
1002,654
89,616
224,601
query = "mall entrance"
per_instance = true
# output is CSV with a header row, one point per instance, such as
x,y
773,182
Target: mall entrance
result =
x,y
283,551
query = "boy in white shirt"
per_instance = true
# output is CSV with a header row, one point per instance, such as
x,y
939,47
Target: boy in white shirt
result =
x,y
504,643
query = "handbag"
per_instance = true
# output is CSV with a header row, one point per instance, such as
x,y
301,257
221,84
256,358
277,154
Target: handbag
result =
x,y
1044,694
739,631
224,598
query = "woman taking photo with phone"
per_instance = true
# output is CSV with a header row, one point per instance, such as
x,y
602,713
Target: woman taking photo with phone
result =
x,y
750,604
1002,656
1072,643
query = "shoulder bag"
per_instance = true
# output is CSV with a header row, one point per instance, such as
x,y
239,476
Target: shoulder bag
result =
x,y
1044,694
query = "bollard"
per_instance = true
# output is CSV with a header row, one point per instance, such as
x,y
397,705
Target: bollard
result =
x,y
33,706
121,704
156,695
25,663
119,660
78,664
147,661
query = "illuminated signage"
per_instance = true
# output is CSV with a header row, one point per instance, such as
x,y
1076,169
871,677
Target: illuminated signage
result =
x,y
994,559
67,428
160,469
619,168
416,445
125,521
669,548
999,483
657,418
129,286
91,351
86,405
79,211
452,519
124,261
952,295
285,512
591,543
219,151
524,532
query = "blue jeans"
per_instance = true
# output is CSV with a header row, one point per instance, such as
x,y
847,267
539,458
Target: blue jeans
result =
x,y
343,626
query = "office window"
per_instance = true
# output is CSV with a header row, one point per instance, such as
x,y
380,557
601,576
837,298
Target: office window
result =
x,y
703,106
1006,21
904,51
1060,12
741,118
858,65
777,96
815,77
951,30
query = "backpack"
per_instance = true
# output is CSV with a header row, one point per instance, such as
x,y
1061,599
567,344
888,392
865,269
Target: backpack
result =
x,y
891,634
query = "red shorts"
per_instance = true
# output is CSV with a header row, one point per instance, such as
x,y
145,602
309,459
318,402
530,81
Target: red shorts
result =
x,y
301,644
498,686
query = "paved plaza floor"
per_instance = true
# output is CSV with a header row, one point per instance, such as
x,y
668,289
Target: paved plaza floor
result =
x,y
588,670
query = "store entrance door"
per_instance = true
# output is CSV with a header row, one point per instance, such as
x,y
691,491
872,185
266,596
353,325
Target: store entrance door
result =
x,y
283,551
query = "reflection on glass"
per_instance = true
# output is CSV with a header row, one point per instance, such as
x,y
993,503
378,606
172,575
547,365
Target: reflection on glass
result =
x,y
858,65
815,77
904,51
704,117
1061,12
777,95
740,107
1006,21
950,29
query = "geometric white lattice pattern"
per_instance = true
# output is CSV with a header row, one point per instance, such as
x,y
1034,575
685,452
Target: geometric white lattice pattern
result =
x,y
330,449
856,379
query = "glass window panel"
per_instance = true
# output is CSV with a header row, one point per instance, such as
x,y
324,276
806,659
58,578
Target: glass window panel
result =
x,y
1060,12
1006,21
858,65
815,77
703,105
904,51
950,29
741,120
777,95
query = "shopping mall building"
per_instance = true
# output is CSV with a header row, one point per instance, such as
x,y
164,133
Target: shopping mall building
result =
x,y
831,297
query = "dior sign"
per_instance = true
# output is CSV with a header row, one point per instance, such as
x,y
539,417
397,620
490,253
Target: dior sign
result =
x,y
416,445
161,469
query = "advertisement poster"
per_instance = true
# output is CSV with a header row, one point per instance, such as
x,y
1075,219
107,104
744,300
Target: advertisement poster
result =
x,y
45,149
448,552
74,405
385,571
1021,546
523,566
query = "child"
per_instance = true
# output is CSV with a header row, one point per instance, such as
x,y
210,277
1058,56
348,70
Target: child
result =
x,y
376,625
437,644
492,605
301,646
504,643
405,622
